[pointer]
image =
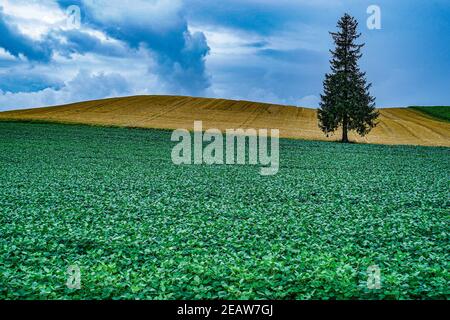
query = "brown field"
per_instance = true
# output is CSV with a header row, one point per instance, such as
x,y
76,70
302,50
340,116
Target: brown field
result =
x,y
396,125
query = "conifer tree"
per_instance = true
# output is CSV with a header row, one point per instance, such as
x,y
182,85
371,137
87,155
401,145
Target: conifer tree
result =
x,y
346,101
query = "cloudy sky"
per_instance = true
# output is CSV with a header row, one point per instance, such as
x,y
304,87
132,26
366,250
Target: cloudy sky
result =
x,y
261,50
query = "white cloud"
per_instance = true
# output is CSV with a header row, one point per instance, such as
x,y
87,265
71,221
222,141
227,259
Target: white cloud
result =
x,y
34,18
225,42
84,86
114,69
5,55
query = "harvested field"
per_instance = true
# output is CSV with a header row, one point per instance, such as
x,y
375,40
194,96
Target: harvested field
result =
x,y
396,125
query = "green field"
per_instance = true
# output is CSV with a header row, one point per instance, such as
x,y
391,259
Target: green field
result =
x,y
110,201
439,113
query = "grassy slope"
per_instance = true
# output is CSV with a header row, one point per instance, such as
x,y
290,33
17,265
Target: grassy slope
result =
x,y
441,113
397,126
111,201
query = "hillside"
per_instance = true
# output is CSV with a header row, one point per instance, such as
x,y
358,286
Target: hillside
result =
x,y
396,125
439,113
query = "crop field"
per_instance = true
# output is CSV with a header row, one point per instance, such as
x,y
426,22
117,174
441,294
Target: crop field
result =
x,y
441,113
110,201
406,126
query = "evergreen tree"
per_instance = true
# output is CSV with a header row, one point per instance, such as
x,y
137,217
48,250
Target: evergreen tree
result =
x,y
346,100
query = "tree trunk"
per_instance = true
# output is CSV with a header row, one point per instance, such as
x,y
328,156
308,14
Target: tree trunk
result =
x,y
345,129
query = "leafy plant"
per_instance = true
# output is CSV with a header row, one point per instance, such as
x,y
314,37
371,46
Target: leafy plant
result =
x,y
110,201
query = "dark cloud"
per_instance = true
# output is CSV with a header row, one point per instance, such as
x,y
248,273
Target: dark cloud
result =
x,y
80,42
262,18
179,54
16,43
184,71
27,81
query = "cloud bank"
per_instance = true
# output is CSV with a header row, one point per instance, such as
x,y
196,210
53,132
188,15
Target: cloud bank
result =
x,y
120,48
261,50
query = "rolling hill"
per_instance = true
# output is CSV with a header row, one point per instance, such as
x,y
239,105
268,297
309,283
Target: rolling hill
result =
x,y
396,125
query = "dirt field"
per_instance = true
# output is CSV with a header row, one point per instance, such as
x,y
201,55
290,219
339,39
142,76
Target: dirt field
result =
x,y
396,125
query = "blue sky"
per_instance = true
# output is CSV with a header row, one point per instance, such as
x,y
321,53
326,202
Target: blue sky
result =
x,y
260,50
